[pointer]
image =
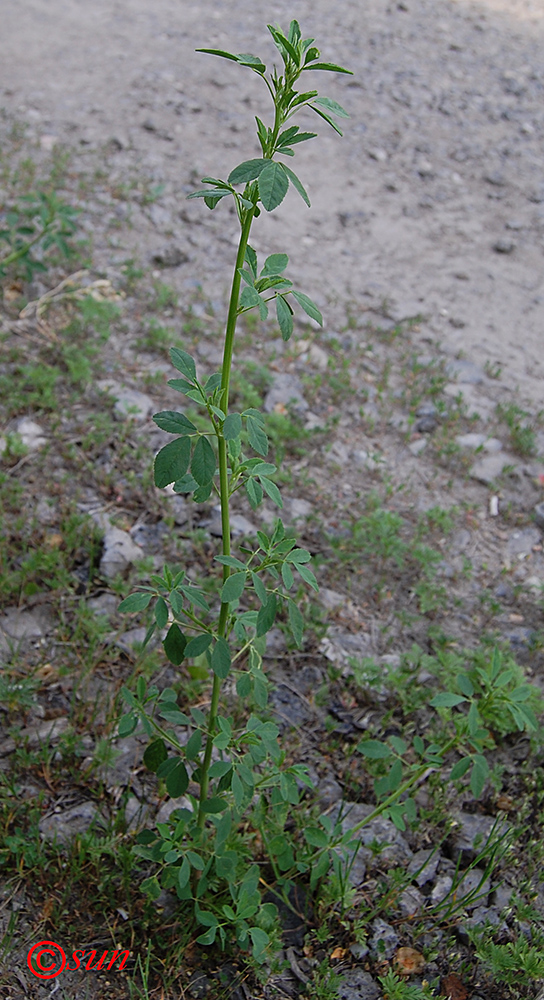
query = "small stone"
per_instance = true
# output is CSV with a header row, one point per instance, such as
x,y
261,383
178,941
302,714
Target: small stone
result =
x,y
64,826
363,460
104,604
410,901
331,599
239,525
129,403
441,888
464,371
119,553
31,434
520,543
539,515
474,440
471,835
495,177
198,986
20,624
488,469
426,425
504,245
423,866
473,881
46,512
170,256
285,392
379,155
318,357
384,939
356,984
417,446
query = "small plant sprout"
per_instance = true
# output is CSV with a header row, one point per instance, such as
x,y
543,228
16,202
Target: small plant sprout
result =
x,y
220,768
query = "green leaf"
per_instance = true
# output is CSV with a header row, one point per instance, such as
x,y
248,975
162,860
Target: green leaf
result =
x,y
246,59
267,615
247,171
297,184
330,67
459,769
250,298
175,644
275,264
316,837
161,612
332,107
465,685
326,118
184,873
177,781
198,645
272,490
257,437
254,493
232,426
233,588
194,744
273,185
174,423
243,685
260,588
309,307
221,659
214,805
287,576
260,941
308,577
172,462
284,314
127,724
251,257
151,887
135,602
237,790
283,45
374,749
446,699
219,52
154,755
479,775
203,463
184,363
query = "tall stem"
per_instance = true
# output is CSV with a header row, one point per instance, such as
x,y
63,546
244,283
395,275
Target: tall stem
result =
x,y
232,316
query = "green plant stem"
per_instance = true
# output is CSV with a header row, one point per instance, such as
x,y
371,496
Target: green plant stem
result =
x,y
224,495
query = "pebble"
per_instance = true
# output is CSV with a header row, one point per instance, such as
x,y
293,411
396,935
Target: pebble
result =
x,y
411,901
384,939
339,646
441,888
487,469
129,403
504,245
32,434
417,446
429,861
46,512
62,827
381,830
21,624
520,543
471,835
286,391
465,371
120,552
318,357
103,604
239,525
539,515
170,256
363,460
426,425
474,440
356,984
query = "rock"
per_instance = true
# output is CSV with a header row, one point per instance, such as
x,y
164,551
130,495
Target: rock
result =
x,y
131,640
538,513
21,624
104,604
136,813
297,509
465,371
46,511
62,827
33,736
384,939
160,217
469,884
489,468
318,357
170,256
363,460
129,403
339,646
198,986
239,525
179,509
423,866
470,397
475,441
410,901
441,888
425,425
331,599
356,984
501,896
119,553
504,245
520,543
286,392
417,446
471,835
381,830
31,434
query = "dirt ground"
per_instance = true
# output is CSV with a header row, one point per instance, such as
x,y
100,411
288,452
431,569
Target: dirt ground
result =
x,y
433,200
